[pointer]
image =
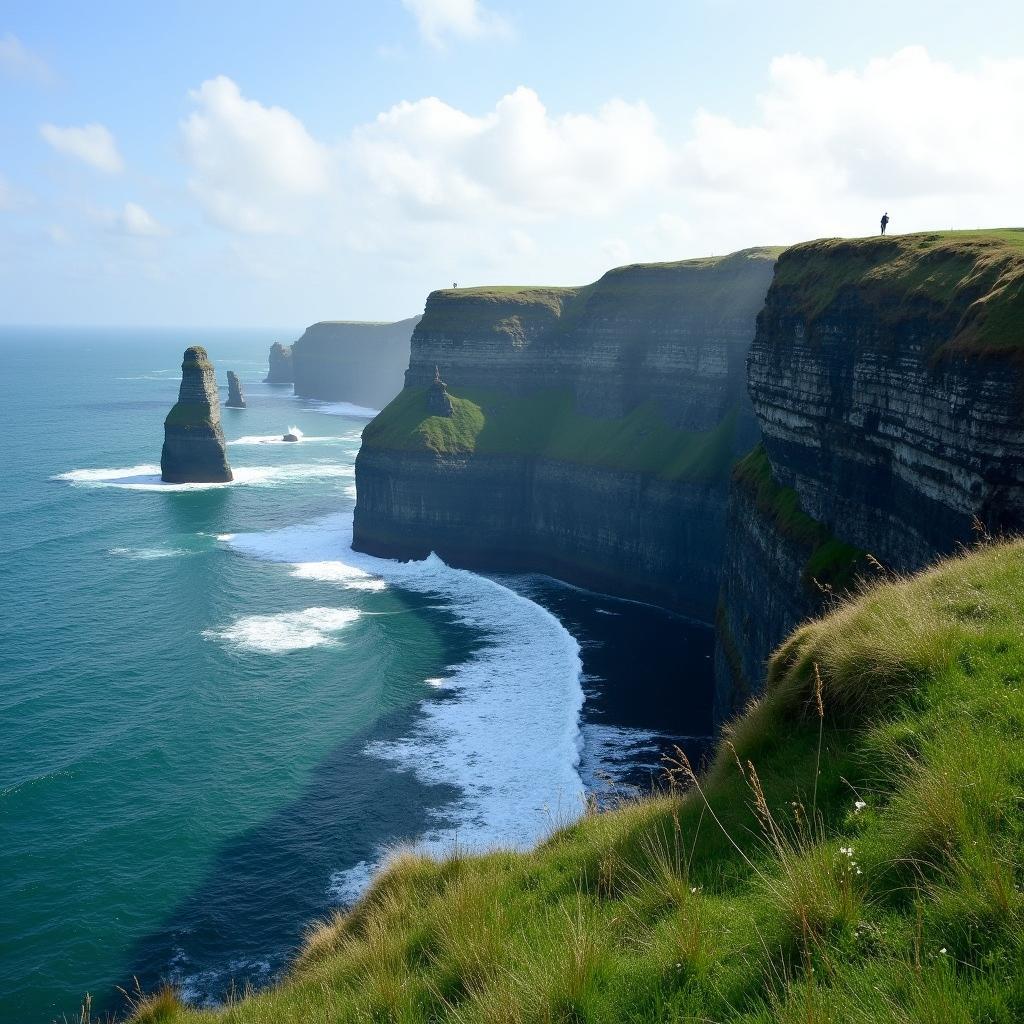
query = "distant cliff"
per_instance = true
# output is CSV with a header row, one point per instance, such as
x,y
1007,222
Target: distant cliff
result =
x,y
887,376
361,363
591,435
279,368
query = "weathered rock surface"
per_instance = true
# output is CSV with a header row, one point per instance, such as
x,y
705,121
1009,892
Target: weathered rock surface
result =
x,y
194,450
236,399
439,402
280,369
665,342
888,380
361,363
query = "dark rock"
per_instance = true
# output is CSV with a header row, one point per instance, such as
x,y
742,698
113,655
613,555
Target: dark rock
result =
x,y
439,402
280,368
194,450
290,437
669,336
236,400
892,408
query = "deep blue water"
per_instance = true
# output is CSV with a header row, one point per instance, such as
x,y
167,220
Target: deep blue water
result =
x,y
215,717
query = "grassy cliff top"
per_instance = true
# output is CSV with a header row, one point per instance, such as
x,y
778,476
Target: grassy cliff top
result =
x,y
974,278
546,425
709,280
853,855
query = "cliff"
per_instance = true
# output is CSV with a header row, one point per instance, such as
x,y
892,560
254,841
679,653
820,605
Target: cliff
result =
x,y
361,363
851,855
888,380
279,368
194,448
591,430
236,399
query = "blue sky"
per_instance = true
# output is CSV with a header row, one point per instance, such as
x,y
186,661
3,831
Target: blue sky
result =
x,y
274,164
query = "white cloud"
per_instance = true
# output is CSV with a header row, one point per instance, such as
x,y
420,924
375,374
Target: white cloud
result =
x,y
92,143
464,19
18,61
136,220
828,146
442,162
250,163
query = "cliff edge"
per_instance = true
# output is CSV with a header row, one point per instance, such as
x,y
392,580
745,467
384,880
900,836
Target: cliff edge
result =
x,y
887,376
349,361
590,435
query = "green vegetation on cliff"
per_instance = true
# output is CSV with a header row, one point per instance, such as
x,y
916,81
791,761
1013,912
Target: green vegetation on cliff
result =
x,y
972,280
546,425
853,855
830,561
657,289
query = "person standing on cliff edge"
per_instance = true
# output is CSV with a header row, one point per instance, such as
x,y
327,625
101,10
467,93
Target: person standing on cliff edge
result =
x,y
885,222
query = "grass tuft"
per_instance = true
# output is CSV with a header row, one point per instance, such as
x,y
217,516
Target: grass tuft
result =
x,y
853,854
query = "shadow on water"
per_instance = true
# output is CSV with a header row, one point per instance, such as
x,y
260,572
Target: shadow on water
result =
x,y
245,920
644,669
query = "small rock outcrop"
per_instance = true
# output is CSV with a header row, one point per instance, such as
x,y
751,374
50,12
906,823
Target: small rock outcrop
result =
x,y
194,449
439,402
236,400
280,368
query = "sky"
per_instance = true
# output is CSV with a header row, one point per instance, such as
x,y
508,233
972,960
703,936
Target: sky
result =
x,y
250,163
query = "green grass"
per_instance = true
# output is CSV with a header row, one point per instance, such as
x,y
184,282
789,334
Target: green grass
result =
x,y
973,280
185,414
857,864
830,562
546,424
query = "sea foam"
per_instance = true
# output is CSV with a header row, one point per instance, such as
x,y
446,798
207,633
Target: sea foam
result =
x,y
147,477
505,728
250,439
286,631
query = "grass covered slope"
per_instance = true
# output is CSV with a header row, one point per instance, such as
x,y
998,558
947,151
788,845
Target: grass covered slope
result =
x,y
973,278
546,425
831,562
854,854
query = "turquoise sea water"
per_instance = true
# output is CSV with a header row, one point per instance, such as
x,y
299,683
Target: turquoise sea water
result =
x,y
215,717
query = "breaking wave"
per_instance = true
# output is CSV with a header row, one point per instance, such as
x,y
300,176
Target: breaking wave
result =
x,y
502,727
286,631
147,477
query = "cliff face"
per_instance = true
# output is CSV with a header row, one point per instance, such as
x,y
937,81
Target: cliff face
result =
x,y
279,365
362,363
194,448
591,430
236,400
888,380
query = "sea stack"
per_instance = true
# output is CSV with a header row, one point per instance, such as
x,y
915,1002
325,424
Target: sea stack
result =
x,y
193,440
236,400
280,369
439,402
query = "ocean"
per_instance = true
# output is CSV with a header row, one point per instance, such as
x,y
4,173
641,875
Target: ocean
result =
x,y
216,718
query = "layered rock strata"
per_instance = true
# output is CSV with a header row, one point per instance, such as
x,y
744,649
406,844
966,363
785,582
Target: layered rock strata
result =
x,y
887,376
590,435
194,450
236,399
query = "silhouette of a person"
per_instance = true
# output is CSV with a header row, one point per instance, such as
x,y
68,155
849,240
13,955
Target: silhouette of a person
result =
x,y
885,222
